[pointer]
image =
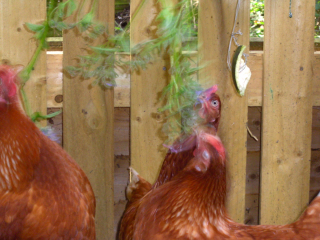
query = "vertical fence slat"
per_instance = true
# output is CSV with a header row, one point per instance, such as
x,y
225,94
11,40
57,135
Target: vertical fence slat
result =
x,y
146,151
17,46
88,124
287,110
216,20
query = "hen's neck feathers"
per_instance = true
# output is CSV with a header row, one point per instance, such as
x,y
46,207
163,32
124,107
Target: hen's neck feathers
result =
x,y
20,147
209,182
199,197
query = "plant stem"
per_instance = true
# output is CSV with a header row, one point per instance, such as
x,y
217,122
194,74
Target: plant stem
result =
x,y
25,102
137,10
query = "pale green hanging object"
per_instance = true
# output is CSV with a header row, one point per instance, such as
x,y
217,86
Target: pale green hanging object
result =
x,y
240,71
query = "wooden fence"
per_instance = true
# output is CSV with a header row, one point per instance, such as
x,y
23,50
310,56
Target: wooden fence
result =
x,y
285,84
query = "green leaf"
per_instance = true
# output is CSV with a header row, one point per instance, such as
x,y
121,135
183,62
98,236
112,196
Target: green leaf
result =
x,y
37,116
39,34
35,27
73,71
61,26
71,7
103,49
86,21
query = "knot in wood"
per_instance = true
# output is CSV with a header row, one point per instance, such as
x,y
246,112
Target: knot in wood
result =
x,y
157,116
252,176
94,122
42,81
5,61
299,153
58,98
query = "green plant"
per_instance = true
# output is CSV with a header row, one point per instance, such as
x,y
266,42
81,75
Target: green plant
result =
x,y
57,12
257,18
317,20
177,24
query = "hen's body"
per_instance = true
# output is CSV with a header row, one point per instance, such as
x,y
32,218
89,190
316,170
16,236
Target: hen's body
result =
x,y
178,156
43,192
188,200
192,206
139,188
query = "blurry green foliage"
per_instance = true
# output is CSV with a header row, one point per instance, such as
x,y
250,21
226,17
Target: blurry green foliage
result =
x,y
120,5
257,18
176,27
317,20
53,32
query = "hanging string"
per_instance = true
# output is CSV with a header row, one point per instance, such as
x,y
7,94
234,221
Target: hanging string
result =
x,y
290,13
234,38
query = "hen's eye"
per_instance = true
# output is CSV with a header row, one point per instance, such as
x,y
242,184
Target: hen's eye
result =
x,y
215,103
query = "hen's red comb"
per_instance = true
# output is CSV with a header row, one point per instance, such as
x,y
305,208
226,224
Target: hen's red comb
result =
x,y
8,77
211,90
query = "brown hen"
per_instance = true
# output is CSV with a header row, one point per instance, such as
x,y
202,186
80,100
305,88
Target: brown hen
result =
x,y
208,108
192,204
43,192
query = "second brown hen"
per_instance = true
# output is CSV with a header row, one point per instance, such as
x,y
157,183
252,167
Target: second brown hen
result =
x,y
192,204
207,108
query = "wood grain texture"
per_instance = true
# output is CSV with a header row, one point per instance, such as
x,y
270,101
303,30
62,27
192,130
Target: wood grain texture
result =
x,y
314,175
287,110
254,124
88,124
121,180
316,80
219,16
254,88
121,131
254,91
147,152
54,79
17,46
252,187
122,90
315,143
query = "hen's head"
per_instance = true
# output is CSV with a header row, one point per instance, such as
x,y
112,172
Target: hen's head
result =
x,y
8,87
209,106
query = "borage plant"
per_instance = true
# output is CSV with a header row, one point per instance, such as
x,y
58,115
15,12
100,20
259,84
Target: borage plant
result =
x,y
176,36
57,12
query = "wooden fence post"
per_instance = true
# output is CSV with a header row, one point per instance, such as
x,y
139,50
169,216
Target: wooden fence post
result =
x,y
17,46
287,110
146,151
88,124
216,20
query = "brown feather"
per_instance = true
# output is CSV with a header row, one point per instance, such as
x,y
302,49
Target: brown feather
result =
x,y
174,162
43,192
